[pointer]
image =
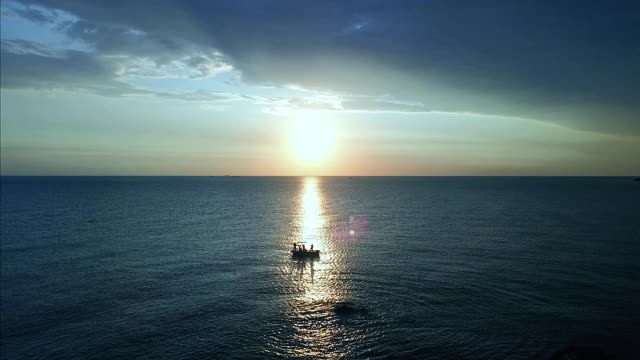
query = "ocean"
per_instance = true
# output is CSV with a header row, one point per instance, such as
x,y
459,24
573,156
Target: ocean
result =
x,y
410,267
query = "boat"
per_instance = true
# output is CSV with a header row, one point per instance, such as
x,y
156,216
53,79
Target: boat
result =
x,y
299,252
305,253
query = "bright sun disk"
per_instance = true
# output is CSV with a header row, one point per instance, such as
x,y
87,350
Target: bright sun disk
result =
x,y
312,140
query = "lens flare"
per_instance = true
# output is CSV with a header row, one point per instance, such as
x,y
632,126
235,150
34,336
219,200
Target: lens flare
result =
x,y
351,230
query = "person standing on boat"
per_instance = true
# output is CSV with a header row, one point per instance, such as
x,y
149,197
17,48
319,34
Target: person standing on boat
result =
x,y
304,248
294,246
311,247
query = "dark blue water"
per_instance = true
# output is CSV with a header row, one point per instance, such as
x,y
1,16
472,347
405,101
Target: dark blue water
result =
x,y
439,268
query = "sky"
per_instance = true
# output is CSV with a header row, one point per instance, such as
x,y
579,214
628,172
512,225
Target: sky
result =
x,y
349,88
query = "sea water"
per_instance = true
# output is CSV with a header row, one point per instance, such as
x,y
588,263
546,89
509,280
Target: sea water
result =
x,y
410,267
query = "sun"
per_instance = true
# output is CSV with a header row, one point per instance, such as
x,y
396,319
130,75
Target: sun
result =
x,y
312,140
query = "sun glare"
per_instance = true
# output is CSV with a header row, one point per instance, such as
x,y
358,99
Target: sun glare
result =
x,y
312,140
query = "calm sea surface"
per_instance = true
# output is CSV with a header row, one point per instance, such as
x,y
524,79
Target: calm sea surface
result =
x,y
439,268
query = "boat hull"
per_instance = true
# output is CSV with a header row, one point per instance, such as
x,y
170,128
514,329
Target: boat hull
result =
x,y
305,254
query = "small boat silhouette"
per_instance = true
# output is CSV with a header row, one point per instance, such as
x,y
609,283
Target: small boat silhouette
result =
x,y
305,253
299,251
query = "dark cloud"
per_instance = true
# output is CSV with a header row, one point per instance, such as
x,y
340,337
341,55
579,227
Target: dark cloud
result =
x,y
571,62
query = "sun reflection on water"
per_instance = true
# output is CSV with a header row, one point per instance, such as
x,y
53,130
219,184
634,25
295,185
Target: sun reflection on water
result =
x,y
312,225
316,288
312,222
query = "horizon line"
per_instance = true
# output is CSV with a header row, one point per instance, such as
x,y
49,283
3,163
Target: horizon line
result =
x,y
335,176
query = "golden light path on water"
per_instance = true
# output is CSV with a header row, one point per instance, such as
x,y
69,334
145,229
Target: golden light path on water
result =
x,y
317,331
